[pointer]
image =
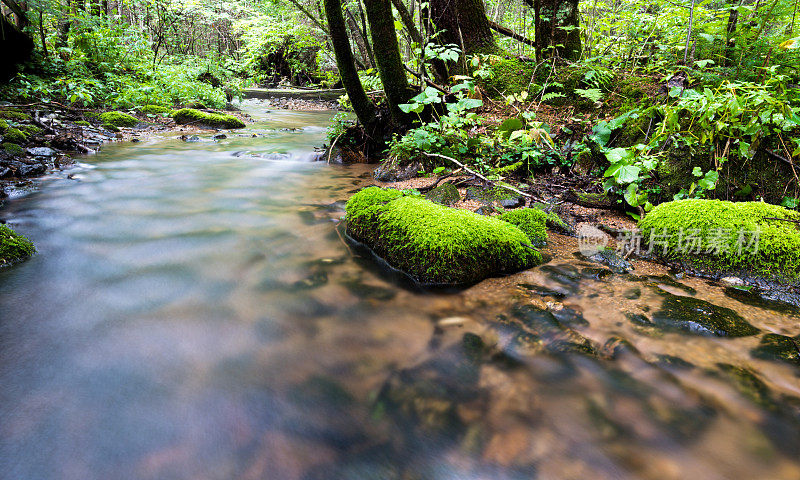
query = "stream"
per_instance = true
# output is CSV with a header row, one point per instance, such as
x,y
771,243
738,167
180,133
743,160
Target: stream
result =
x,y
193,313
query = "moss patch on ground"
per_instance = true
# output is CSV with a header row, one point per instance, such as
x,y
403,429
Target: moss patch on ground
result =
x,y
510,76
13,246
118,119
725,236
214,120
435,244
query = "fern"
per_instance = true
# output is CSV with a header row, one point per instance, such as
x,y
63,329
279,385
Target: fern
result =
x,y
552,95
593,94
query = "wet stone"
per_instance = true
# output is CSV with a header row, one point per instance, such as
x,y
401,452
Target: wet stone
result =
x,y
633,294
542,291
42,152
673,361
695,316
779,348
616,346
445,194
613,260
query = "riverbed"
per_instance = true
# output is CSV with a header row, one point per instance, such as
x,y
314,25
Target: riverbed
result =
x,y
195,313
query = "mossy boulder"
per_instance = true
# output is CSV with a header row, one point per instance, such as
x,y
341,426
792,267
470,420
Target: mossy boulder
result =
x,y
435,244
725,236
3,125
118,119
153,109
30,130
213,120
14,135
13,246
532,221
83,123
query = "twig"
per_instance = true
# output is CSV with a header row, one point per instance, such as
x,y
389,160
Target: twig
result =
x,y
333,144
482,177
426,80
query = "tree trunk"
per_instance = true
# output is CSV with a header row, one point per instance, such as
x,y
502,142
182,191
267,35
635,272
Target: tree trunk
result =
x,y
15,48
465,24
730,36
557,29
362,105
387,55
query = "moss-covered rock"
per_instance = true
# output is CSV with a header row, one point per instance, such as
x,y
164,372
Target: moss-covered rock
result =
x,y
3,125
727,236
445,194
13,149
510,76
14,115
110,127
435,244
13,246
532,221
30,130
214,120
14,135
118,119
83,123
153,109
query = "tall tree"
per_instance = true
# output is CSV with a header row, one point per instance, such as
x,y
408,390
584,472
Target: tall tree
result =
x,y
387,55
362,105
464,23
557,29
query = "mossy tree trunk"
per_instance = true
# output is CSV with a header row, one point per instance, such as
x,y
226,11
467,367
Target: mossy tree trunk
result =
x,y
557,29
362,105
15,47
465,24
387,56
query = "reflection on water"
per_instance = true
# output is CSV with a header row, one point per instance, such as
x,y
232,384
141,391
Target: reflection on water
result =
x,y
193,314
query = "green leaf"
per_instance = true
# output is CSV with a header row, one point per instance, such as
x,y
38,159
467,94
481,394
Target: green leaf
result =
x,y
697,172
628,174
510,125
617,155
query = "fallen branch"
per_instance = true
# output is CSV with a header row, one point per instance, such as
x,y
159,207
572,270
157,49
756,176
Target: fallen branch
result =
x,y
436,155
427,81
511,34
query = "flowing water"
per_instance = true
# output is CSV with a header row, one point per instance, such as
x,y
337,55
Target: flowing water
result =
x,y
193,313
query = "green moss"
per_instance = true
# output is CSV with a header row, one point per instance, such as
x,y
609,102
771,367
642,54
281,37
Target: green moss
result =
x,y
153,109
118,119
14,149
111,128
732,236
444,194
510,76
83,123
13,246
436,244
552,220
30,130
14,115
14,135
3,125
532,221
215,120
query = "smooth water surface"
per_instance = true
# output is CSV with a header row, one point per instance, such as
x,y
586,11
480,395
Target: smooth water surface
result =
x,y
193,313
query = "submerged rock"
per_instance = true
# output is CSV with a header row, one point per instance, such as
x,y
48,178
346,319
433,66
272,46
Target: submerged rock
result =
x,y
613,259
779,348
444,194
436,244
692,315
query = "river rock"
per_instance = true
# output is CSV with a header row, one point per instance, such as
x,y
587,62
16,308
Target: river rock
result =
x,y
695,316
395,171
779,348
31,170
42,152
612,259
